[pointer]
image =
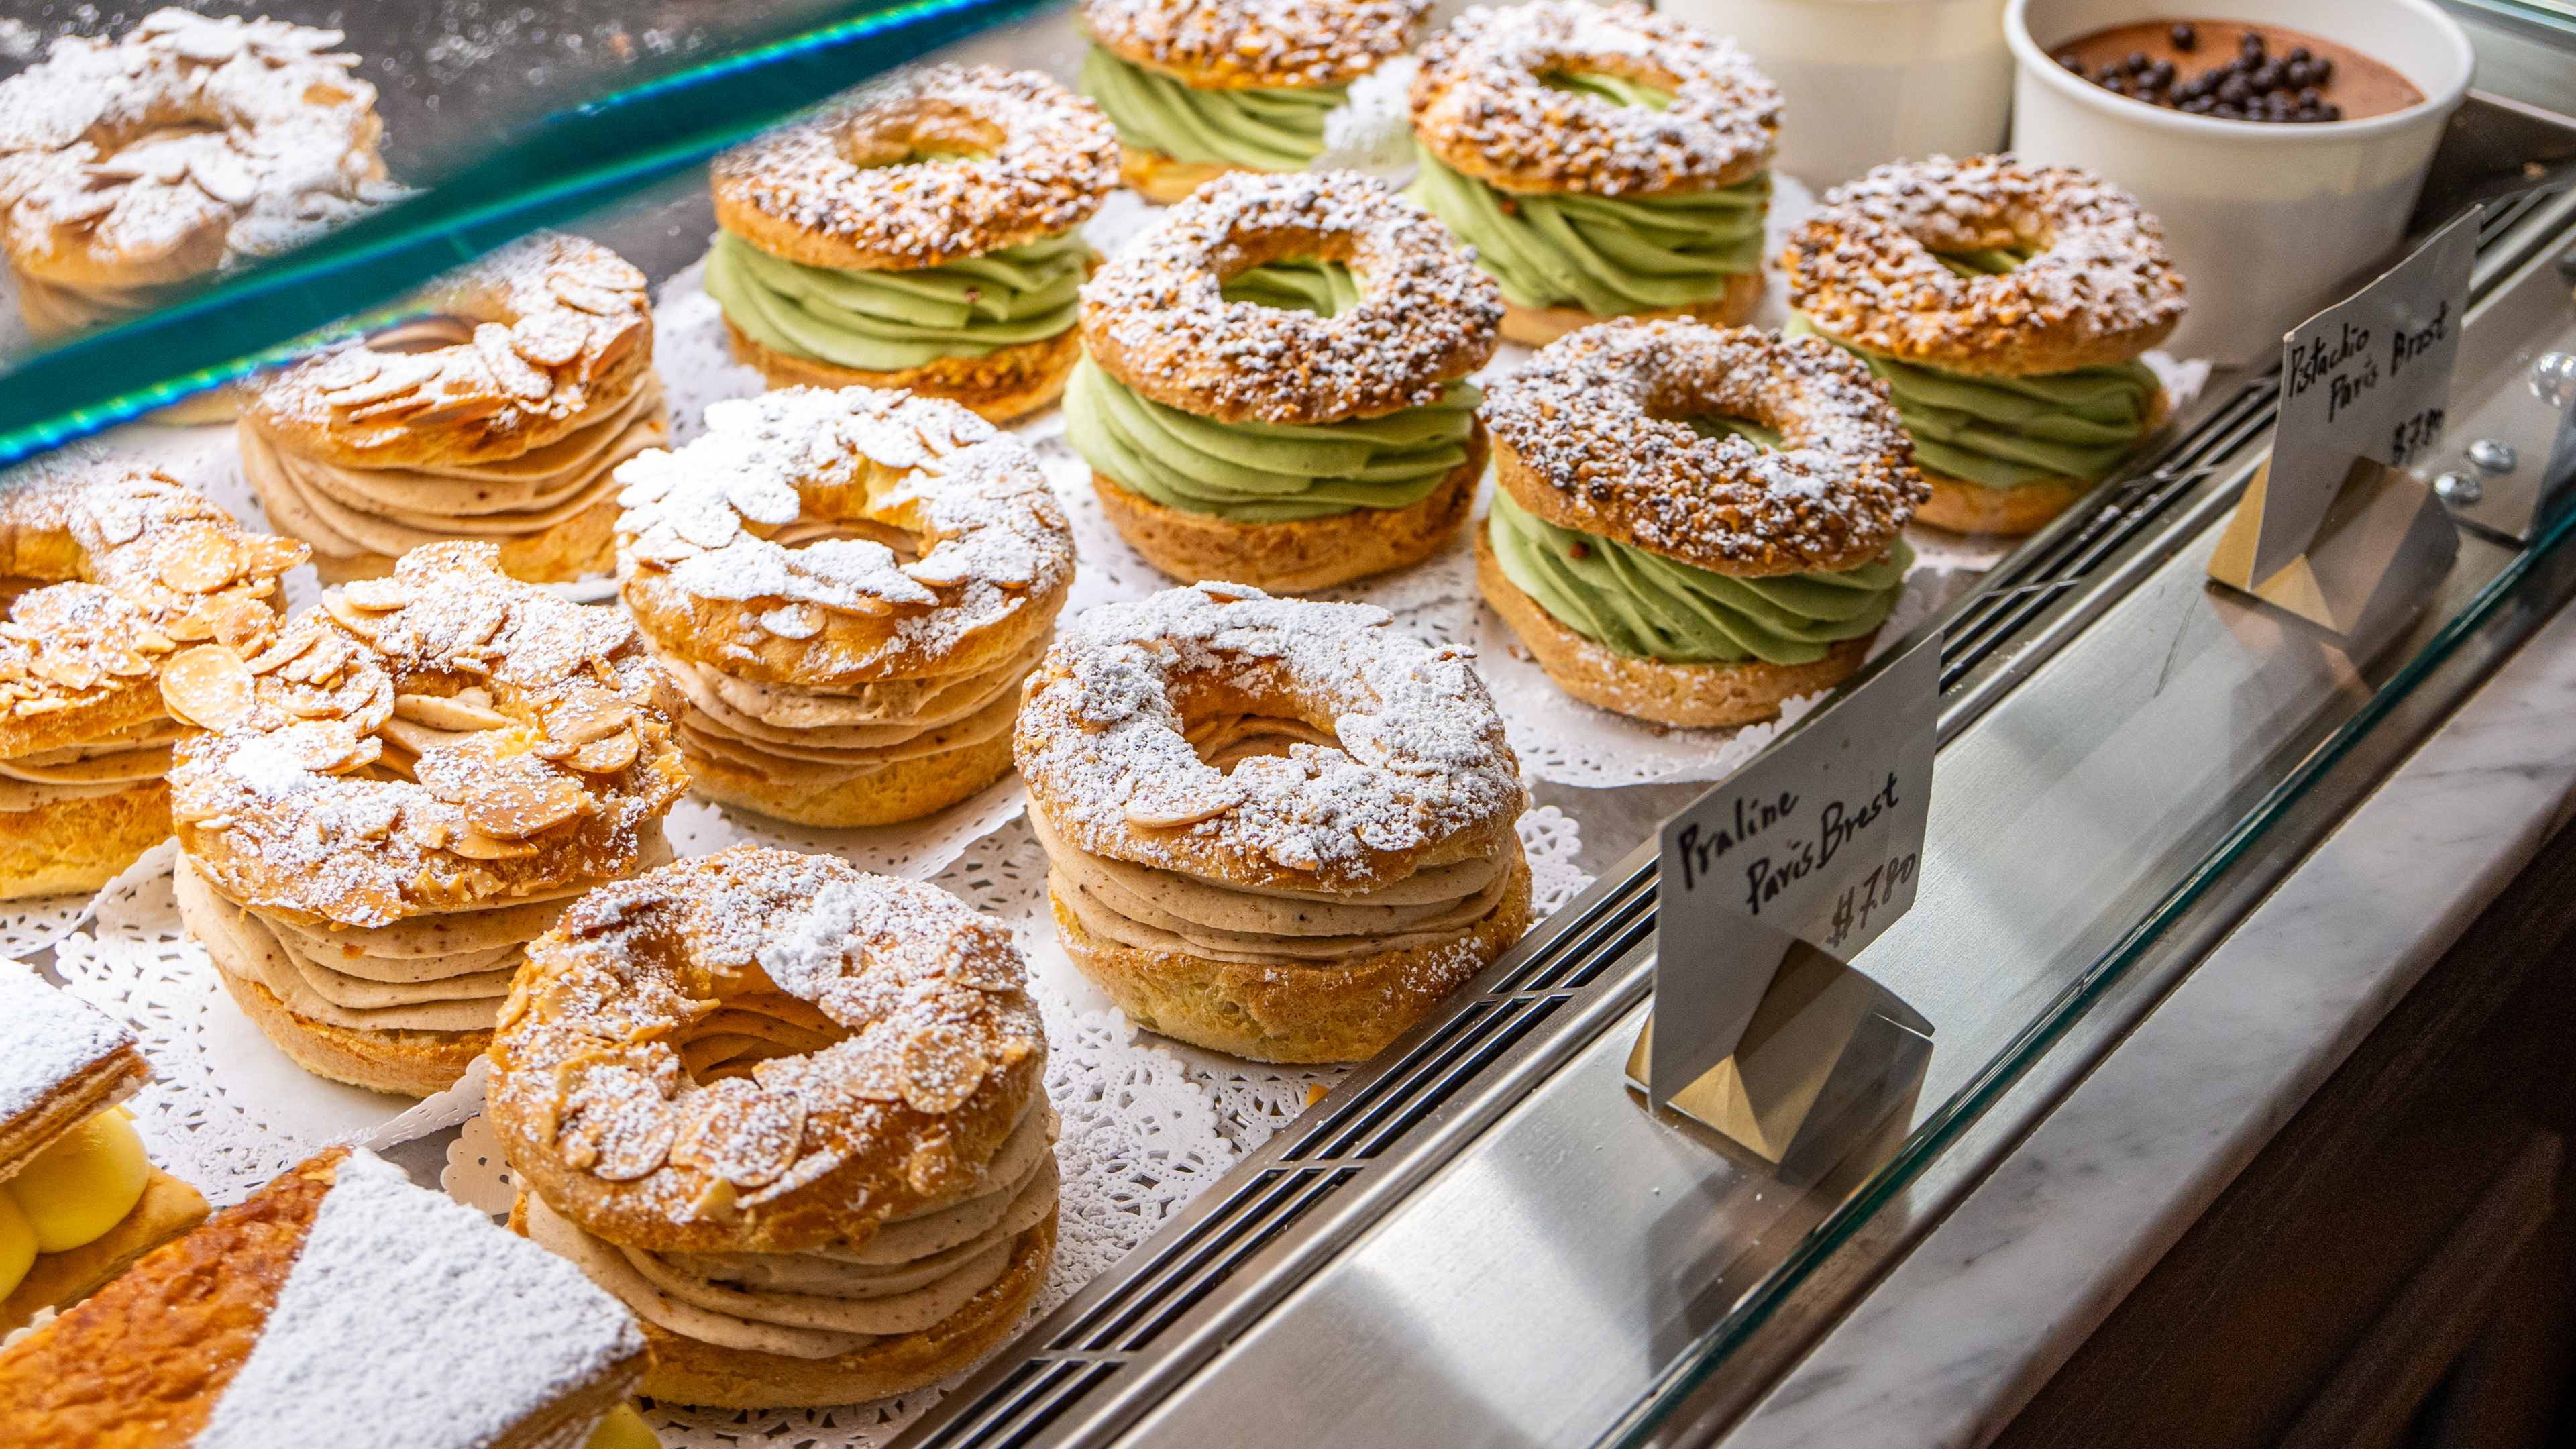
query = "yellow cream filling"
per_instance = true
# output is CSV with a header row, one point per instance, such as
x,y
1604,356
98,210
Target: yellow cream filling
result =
x,y
623,1429
71,1194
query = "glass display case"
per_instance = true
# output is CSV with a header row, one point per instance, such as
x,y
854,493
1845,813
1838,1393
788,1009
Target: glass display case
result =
x,y
1483,1233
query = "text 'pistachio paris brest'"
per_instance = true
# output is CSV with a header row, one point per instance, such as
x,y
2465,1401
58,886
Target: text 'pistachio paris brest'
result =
x,y
1693,524
1273,827
117,572
339,1305
501,416
1603,160
1198,88
848,586
79,1199
389,802
132,167
2006,305
793,1114
924,234
1274,388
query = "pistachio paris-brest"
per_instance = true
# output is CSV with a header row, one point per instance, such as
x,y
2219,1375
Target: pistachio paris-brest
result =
x,y
849,587
1275,828
193,143
123,570
1603,161
340,1304
79,1200
793,1114
921,236
501,417
1695,575
1275,389
398,794
2006,306
1198,89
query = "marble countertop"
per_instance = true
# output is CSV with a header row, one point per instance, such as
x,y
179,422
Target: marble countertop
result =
x,y
1976,1318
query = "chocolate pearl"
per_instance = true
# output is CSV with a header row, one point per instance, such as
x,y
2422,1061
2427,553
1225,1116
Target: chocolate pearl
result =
x,y
2330,112
2184,35
2234,91
2227,112
2106,74
2161,74
2137,63
2115,85
2310,97
2300,53
2307,114
2071,61
2266,77
2251,43
2323,66
2200,105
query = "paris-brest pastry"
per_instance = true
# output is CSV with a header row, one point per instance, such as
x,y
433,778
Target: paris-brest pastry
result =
x,y
2006,305
1275,388
849,587
793,1114
117,571
131,168
1603,160
385,805
339,1305
499,415
1692,524
1273,827
79,1200
1199,88
926,234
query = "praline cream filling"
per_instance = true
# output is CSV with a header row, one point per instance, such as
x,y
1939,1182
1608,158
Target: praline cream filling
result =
x,y
1154,909
350,512
913,1273
803,737
447,971
105,766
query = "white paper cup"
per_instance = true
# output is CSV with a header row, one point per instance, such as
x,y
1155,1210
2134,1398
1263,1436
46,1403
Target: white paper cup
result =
x,y
2266,220
1866,81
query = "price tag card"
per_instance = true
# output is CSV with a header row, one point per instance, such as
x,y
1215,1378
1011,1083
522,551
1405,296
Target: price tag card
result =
x,y
1819,840
2366,378
2332,529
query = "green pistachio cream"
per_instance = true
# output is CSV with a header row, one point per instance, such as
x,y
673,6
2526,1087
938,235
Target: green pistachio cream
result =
x,y
2012,432
892,321
1609,255
1262,129
1652,607
1255,472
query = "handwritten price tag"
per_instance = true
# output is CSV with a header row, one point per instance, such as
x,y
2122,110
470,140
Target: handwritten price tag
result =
x,y
2368,377
1819,840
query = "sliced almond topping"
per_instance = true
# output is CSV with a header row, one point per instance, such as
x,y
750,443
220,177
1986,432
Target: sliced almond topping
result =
x,y
793,621
1163,811
587,715
471,408
523,800
548,339
475,845
198,558
66,669
376,596
739,1133
582,297
208,687
509,369
449,712
608,756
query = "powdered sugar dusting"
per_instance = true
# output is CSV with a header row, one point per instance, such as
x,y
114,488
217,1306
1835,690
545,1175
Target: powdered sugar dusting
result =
x,y
1157,319
1592,439
992,539
1046,160
1421,758
2098,285
137,150
1286,43
47,1037
410,1313
1480,101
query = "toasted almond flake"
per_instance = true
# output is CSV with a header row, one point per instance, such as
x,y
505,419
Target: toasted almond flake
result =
x,y
208,687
